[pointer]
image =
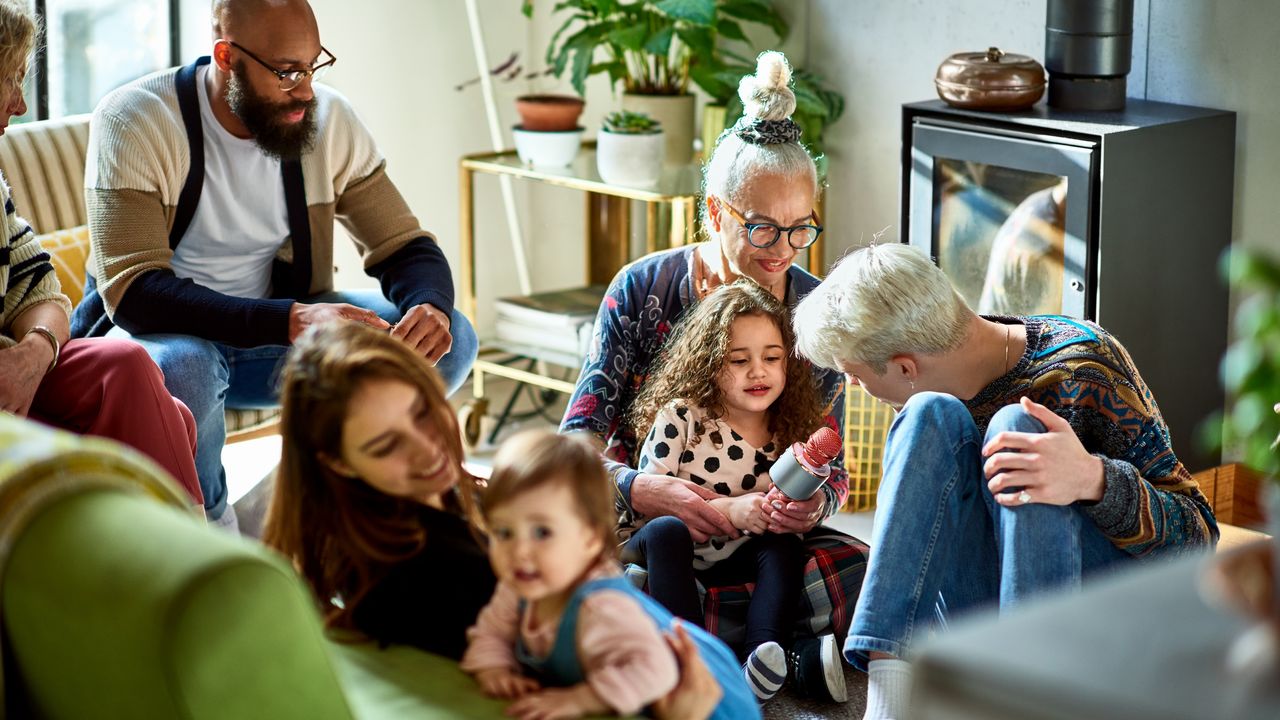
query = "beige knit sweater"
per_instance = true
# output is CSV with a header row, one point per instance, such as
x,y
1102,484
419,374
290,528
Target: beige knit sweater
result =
x,y
138,159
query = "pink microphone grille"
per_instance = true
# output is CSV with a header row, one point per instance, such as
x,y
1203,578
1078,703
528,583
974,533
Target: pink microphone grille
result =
x,y
822,447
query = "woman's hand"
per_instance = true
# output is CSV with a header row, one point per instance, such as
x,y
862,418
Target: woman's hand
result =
x,y
792,516
660,495
24,366
1050,467
505,683
698,692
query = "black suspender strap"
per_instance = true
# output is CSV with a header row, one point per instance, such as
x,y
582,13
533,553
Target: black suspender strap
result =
x,y
189,104
295,201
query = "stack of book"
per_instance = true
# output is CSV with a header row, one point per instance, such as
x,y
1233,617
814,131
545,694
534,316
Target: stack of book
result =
x,y
553,326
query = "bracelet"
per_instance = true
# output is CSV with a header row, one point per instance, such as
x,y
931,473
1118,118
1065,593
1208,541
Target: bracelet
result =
x,y
53,340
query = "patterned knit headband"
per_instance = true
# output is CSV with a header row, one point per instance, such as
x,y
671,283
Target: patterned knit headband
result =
x,y
766,132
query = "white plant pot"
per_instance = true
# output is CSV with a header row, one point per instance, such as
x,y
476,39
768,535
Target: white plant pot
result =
x,y
676,113
547,148
630,159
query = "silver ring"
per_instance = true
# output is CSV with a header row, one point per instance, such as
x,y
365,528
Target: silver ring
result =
x,y
1024,497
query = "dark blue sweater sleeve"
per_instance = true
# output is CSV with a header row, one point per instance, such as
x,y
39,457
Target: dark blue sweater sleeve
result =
x,y
160,302
415,274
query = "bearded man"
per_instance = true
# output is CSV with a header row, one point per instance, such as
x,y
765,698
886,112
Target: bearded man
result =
x,y
212,191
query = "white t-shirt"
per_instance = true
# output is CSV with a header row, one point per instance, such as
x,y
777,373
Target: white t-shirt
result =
x,y
241,219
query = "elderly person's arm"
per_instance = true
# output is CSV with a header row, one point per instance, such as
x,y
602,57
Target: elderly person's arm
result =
x,y
600,402
32,299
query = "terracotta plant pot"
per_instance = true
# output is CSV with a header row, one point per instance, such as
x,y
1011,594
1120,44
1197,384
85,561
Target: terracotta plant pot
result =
x,y
554,113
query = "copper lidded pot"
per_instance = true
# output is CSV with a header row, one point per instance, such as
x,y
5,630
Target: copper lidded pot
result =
x,y
991,80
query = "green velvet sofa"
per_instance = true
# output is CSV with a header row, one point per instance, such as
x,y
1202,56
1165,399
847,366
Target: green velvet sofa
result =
x,y
118,602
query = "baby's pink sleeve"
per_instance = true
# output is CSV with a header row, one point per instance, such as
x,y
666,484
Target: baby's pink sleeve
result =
x,y
491,641
625,659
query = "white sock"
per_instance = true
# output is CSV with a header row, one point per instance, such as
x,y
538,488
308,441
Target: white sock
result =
x,y
766,670
227,522
888,689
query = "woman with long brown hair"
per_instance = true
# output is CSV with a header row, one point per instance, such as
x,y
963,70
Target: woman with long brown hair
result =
x,y
372,503
373,507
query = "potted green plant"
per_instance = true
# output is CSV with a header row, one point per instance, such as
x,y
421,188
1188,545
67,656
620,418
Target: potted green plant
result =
x,y
548,134
1251,425
629,149
652,49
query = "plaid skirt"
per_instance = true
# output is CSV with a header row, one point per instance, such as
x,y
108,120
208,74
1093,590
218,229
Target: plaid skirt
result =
x,y
832,579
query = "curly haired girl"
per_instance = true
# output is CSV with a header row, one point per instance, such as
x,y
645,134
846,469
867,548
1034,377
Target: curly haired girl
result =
x,y
726,398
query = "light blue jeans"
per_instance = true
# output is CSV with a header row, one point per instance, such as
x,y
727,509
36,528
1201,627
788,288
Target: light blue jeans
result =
x,y
210,377
943,545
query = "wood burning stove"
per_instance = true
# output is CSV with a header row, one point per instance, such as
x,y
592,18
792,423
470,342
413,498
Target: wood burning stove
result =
x,y
1118,217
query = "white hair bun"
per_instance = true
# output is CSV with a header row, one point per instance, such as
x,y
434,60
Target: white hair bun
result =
x,y
767,94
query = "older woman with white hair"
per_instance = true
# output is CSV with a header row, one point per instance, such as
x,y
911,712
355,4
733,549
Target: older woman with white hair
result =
x,y
760,190
1027,454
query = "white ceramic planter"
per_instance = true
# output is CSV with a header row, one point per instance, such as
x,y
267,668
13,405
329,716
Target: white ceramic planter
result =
x,y
676,114
547,148
630,159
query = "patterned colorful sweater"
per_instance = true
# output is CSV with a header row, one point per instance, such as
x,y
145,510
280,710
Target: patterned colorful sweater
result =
x,y
1150,506
642,304
26,274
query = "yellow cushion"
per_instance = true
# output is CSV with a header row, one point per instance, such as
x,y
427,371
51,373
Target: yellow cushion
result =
x,y
68,249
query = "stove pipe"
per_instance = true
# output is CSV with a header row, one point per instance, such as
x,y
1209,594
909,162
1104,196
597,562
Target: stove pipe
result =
x,y
1088,47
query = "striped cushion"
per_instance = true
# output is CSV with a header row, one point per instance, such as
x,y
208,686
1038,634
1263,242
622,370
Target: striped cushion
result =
x,y
44,163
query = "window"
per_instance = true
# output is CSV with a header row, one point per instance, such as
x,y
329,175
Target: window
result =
x,y
91,47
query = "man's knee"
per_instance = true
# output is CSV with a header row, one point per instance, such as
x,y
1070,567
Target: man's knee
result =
x,y
194,369
465,342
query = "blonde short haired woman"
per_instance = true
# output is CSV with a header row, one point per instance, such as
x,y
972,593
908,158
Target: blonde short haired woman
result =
x,y
1027,454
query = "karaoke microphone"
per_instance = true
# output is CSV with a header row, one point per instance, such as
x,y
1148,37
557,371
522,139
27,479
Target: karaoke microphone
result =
x,y
804,466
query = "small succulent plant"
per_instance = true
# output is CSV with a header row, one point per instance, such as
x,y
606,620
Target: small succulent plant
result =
x,y
626,122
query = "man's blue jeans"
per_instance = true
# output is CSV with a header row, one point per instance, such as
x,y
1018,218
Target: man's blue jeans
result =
x,y
210,377
943,545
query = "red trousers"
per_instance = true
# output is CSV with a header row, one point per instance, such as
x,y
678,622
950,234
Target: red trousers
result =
x,y
111,388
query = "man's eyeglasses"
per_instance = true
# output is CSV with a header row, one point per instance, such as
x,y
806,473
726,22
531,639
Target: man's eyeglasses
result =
x,y
290,79
764,235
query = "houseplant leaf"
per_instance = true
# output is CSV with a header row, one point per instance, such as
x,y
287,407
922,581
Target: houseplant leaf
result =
x,y
698,12
757,11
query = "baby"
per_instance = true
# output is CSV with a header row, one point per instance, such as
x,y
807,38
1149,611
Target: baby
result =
x,y
565,635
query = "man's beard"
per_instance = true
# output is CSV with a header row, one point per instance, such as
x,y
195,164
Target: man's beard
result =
x,y
265,119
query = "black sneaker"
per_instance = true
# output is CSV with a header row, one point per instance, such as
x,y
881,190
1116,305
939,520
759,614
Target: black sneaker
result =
x,y
817,669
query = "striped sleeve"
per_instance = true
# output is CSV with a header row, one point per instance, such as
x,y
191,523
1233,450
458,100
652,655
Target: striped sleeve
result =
x,y
26,274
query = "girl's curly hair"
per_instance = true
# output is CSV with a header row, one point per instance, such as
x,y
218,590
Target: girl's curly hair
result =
x,y
693,358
